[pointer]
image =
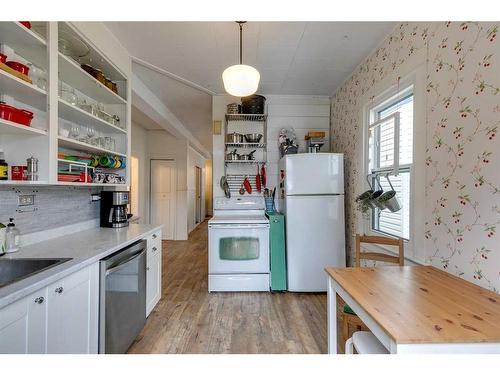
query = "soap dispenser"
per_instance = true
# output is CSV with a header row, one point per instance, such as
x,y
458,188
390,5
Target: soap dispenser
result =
x,y
11,237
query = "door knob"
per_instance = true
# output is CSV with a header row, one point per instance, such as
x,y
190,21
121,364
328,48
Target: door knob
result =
x,y
147,268
59,290
39,300
154,248
154,236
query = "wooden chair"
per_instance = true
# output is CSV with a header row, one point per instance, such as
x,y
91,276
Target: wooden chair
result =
x,y
349,318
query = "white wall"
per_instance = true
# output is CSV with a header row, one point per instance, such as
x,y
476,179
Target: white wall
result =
x,y
302,113
139,150
195,159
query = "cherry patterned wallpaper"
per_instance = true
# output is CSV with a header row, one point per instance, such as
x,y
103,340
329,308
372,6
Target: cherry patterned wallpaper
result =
x,y
462,205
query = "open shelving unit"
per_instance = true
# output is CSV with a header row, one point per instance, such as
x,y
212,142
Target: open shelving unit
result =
x,y
53,115
75,76
77,115
13,128
23,91
76,145
236,170
25,42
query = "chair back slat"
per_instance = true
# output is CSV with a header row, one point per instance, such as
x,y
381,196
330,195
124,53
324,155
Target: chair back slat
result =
x,y
379,240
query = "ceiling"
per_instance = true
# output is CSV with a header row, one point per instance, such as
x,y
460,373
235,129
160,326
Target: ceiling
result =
x,y
192,107
306,58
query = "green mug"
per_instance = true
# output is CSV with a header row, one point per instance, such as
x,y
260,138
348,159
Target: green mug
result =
x,y
107,161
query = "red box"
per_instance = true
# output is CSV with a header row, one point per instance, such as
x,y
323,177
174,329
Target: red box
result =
x,y
18,172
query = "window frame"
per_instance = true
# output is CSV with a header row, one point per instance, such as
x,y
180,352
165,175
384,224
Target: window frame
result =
x,y
413,83
396,168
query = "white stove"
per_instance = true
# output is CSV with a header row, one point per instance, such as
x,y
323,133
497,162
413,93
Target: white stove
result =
x,y
238,245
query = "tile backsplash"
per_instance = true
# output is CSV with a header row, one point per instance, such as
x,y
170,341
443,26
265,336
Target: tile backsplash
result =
x,y
55,206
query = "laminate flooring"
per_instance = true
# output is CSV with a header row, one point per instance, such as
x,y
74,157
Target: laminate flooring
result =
x,y
188,319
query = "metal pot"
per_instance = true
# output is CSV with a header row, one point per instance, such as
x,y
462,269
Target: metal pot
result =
x,y
248,156
390,201
233,155
253,137
234,138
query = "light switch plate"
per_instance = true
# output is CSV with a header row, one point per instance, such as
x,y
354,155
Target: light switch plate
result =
x,y
26,200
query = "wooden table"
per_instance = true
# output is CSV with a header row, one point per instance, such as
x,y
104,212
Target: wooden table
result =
x,y
417,309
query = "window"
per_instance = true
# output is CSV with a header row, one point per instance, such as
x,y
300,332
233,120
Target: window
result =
x,y
385,119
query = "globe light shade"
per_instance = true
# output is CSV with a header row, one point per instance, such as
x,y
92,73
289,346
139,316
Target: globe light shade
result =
x,y
241,80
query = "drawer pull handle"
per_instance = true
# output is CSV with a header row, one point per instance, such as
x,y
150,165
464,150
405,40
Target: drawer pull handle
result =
x,y
59,290
154,248
154,236
39,300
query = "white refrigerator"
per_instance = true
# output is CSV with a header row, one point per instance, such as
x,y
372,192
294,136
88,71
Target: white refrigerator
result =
x,y
311,195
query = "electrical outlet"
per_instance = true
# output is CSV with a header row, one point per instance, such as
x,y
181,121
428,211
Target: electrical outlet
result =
x,y
26,200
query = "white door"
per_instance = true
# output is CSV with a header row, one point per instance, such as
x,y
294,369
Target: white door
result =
x,y
314,240
73,307
163,196
238,248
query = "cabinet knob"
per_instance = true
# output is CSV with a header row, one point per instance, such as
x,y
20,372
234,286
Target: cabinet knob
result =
x,y
59,290
154,236
147,268
154,248
39,300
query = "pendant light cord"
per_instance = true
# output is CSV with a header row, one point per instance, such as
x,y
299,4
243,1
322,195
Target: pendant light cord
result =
x,y
240,23
241,44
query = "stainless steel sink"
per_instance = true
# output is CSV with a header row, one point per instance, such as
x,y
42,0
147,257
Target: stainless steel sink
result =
x,y
12,270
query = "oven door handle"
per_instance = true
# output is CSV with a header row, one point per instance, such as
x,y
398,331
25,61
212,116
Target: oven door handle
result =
x,y
233,226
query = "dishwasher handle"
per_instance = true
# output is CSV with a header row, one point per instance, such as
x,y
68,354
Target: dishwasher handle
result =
x,y
123,263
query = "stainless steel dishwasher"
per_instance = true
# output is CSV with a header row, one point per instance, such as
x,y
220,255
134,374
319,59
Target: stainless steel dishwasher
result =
x,y
122,308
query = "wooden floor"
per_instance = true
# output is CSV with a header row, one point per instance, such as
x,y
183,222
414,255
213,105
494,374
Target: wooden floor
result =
x,y
188,319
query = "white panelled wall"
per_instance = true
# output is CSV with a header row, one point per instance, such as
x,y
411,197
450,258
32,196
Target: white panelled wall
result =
x,y
303,113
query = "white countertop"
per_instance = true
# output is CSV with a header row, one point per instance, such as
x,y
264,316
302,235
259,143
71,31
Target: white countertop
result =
x,y
85,248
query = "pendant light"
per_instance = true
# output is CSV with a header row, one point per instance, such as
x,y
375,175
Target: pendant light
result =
x,y
241,80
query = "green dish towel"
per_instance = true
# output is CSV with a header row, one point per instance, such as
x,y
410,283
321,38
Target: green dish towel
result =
x,y
348,310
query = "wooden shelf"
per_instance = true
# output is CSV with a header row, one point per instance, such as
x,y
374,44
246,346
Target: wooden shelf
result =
x,y
75,114
24,42
82,146
13,128
23,91
76,77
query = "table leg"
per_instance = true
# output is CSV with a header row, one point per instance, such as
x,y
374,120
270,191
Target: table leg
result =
x,y
332,318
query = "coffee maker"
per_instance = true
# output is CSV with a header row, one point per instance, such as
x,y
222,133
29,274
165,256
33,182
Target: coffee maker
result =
x,y
114,211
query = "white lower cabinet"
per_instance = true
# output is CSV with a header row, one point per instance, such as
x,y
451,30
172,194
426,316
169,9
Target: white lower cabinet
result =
x,y
61,318
73,313
23,325
153,271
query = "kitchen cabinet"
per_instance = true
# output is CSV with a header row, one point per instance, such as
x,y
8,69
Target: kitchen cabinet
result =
x,y
22,325
153,271
101,116
60,318
73,313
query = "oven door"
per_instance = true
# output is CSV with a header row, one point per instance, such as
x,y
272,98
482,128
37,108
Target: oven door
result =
x,y
238,248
